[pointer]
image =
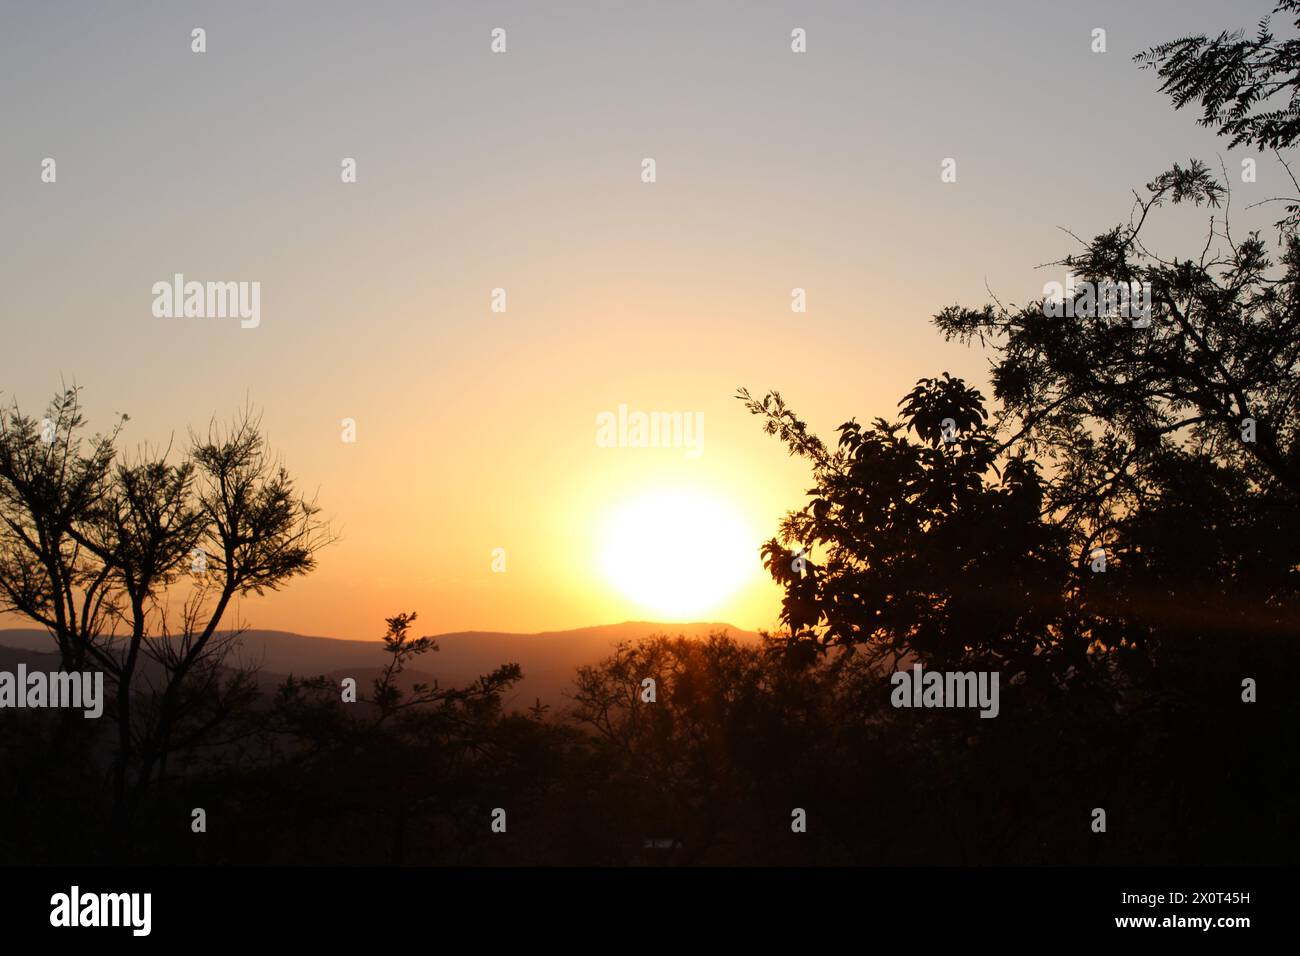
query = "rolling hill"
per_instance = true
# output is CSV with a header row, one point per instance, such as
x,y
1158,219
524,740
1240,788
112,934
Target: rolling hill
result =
x,y
548,658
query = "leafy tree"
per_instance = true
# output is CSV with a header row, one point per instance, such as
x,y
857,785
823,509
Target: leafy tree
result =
x,y
933,547
736,736
1167,447
1175,447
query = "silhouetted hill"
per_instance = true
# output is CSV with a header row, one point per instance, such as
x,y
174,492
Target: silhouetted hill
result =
x,y
548,658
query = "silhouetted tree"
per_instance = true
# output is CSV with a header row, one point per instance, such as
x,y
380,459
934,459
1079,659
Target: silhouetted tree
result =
x,y
1164,452
1174,448
933,547
1247,87
397,767
735,737
93,545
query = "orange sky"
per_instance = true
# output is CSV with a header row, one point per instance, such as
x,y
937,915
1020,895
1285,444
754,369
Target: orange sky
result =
x,y
477,430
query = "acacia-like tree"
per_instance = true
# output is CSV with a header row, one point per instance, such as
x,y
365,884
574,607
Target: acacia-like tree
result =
x,y
131,564
1246,86
1175,446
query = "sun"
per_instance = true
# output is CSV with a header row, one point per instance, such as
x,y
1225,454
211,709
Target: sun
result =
x,y
678,552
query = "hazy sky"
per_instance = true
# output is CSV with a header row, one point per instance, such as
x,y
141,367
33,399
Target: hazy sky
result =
x,y
522,171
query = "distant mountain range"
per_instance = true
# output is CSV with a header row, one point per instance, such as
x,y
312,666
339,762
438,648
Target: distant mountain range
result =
x,y
548,659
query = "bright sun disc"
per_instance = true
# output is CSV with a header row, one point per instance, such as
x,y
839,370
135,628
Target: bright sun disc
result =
x,y
678,552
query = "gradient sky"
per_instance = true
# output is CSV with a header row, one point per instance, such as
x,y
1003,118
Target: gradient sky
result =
x,y
477,430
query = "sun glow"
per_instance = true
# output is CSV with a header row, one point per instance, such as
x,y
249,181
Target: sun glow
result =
x,y
678,552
